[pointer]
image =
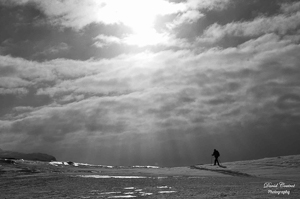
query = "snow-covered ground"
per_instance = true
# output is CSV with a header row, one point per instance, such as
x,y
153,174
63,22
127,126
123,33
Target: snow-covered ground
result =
x,y
56,163
274,177
281,167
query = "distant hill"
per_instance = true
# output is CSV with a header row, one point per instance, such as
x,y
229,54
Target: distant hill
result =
x,y
26,156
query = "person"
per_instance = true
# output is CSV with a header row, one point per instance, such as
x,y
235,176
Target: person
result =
x,y
216,154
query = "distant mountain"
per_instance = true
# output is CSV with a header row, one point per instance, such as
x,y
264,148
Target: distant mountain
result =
x,y
26,156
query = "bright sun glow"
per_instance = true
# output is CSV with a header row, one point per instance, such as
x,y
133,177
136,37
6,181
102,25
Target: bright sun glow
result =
x,y
146,37
140,16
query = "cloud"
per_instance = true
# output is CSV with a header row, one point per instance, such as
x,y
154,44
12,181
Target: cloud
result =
x,y
290,7
22,71
17,91
103,40
139,17
2,50
193,11
164,89
78,14
161,100
190,16
289,101
280,24
62,47
158,95
208,4
11,82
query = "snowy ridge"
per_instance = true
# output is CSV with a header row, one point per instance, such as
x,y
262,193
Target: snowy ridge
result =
x,y
76,164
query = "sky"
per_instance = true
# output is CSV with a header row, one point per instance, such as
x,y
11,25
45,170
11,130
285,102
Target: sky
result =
x,y
150,82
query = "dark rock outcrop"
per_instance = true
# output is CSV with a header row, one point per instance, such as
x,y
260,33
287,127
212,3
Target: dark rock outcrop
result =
x,y
70,163
26,156
7,161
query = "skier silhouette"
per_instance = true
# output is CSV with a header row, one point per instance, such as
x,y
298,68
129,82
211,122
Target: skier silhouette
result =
x,y
216,154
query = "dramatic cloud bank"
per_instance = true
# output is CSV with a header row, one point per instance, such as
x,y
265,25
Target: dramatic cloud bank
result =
x,y
167,106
